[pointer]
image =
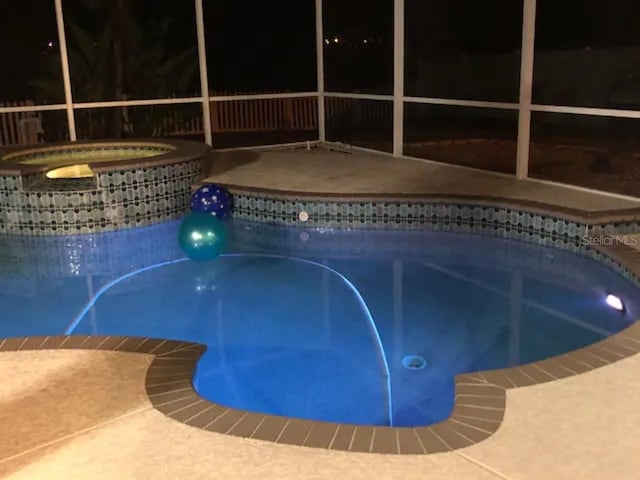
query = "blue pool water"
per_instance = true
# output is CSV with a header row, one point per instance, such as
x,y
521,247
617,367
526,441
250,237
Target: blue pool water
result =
x,y
320,324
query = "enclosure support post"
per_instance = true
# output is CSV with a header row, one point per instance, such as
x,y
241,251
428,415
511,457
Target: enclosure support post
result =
x,y
204,76
320,71
398,77
66,76
526,88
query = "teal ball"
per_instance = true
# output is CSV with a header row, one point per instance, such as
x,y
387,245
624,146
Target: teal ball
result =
x,y
202,237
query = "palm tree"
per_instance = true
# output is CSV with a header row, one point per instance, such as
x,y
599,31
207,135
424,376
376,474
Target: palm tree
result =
x,y
118,59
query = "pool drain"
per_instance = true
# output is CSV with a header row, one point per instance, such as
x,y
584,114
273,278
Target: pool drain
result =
x,y
414,362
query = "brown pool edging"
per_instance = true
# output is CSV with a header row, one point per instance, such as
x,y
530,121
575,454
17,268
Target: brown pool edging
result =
x,y
479,406
478,411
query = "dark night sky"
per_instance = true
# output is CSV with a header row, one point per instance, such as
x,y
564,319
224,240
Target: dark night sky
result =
x,y
270,45
581,23
568,21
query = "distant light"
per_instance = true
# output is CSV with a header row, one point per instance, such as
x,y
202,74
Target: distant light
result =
x,y
336,40
615,303
326,40
196,236
50,44
365,41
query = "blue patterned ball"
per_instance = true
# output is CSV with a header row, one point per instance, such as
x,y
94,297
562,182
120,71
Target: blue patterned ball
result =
x,y
211,199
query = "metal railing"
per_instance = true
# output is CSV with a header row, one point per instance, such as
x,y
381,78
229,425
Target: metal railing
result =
x,y
20,128
230,113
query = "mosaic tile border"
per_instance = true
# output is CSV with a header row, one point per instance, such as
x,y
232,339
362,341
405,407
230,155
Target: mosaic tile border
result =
x,y
121,195
539,223
417,211
104,256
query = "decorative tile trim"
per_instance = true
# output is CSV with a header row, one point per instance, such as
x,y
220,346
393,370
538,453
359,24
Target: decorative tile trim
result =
x,y
494,201
103,255
512,219
116,198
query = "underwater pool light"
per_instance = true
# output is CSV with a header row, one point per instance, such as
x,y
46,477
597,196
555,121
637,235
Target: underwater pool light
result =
x,y
71,171
615,303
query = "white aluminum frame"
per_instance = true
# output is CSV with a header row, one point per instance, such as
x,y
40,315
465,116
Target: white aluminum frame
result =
x,y
463,103
136,103
34,108
322,135
526,88
524,106
594,112
360,96
66,76
398,77
204,73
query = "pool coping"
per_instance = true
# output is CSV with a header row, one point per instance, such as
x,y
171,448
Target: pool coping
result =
x,y
180,150
478,411
589,217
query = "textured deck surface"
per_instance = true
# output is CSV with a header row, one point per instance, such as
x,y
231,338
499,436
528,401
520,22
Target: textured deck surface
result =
x,y
321,171
61,420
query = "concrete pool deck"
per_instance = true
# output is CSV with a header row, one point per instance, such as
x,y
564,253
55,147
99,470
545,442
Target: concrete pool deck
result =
x,y
61,420
87,414
357,173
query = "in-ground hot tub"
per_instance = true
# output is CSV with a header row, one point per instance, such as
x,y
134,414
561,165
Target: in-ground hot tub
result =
x,y
75,188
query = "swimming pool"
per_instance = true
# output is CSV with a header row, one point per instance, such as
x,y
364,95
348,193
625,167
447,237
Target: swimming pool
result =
x,y
360,327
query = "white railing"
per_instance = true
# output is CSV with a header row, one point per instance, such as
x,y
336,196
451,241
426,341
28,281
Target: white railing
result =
x,y
20,127
230,113
264,114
